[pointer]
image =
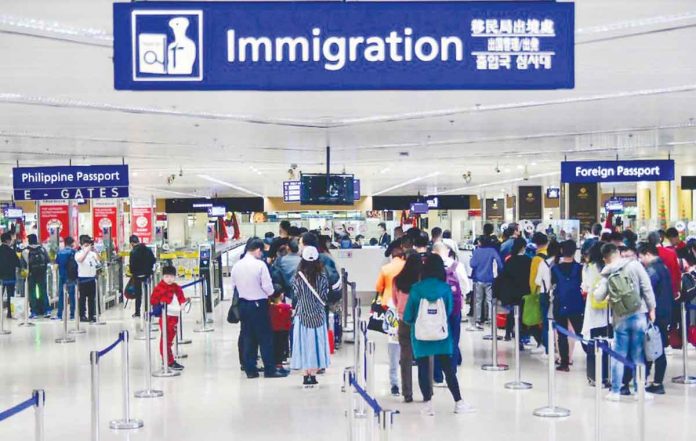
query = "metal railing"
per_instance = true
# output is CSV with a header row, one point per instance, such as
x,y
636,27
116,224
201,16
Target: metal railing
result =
x,y
38,402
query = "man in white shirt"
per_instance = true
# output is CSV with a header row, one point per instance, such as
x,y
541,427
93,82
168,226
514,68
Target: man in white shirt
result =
x,y
252,279
87,263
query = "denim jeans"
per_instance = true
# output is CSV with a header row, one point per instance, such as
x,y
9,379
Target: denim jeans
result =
x,y
394,351
455,327
481,291
629,335
62,282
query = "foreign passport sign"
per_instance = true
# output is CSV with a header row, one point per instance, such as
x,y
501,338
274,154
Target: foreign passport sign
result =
x,y
343,45
617,171
70,182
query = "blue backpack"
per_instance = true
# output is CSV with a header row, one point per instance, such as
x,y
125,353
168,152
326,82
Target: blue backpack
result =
x,y
567,297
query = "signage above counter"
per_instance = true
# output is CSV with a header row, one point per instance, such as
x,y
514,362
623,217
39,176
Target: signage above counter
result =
x,y
70,182
617,171
343,45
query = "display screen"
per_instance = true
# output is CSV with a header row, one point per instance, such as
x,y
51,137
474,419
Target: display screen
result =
x,y
14,213
334,190
216,211
553,193
419,208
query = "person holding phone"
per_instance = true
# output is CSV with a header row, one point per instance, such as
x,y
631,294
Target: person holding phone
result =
x,y
87,263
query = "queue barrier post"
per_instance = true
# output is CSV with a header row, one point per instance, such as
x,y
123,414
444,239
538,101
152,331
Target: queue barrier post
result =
x,y
127,423
518,384
684,378
640,378
165,371
370,371
598,388
472,323
180,339
145,322
361,365
380,425
39,417
26,321
386,421
347,388
148,392
94,420
98,303
551,410
204,314
4,331
494,366
66,338
178,355
78,316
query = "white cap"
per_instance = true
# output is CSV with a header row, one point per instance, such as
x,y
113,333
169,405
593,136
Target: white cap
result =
x,y
310,254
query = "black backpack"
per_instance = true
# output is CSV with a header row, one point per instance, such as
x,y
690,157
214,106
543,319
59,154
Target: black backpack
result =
x,y
71,268
38,260
688,287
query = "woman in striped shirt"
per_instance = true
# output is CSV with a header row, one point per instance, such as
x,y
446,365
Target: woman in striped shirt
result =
x,y
310,348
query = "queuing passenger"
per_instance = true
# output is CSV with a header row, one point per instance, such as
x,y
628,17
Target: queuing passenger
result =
x,y
251,278
384,288
435,235
359,239
511,233
447,240
398,232
540,283
36,259
617,239
516,286
591,238
568,304
420,243
142,263
669,258
409,275
631,285
65,259
661,283
596,317
287,267
384,238
630,238
310,350
87,264
485,264
458,281
433,288
281,323
168,292
9,263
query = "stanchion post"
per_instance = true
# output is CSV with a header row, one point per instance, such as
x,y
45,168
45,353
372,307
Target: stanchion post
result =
x,y
148,392
26,321
178,355
518,384
98,303
685,378
94,421
494,366
599,383
66,304
181,339
165,371
348,375
126,423
472,323
40,403
551,411
386,420
640,378
145,288
2,310
77,329
370,382
360,368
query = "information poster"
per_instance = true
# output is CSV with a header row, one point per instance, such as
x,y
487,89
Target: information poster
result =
x,y
495,210
53,215
583,204
530,202
141,223
104,216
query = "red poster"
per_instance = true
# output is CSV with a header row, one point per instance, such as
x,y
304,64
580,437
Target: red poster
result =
x,y
104,217
53,216
141,223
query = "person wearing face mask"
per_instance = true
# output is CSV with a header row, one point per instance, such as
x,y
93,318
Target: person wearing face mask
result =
x,y
252,279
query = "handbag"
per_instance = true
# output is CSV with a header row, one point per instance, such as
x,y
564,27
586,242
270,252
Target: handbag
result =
x,y
675,337
652,344
531,315
129,290
691,335
604,304
233,313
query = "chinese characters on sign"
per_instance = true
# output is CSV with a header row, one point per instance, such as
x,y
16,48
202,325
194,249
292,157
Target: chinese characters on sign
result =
x,y
513,44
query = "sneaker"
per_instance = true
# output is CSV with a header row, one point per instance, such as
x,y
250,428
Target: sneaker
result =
x,y
657,389
613,396
313,380
462,407
176,366
591,382
136,315
625,391
538,350
252,375
408,399
563,368
427,409
56,318
440,384
275,375
32,316
47,315
305,381
395,391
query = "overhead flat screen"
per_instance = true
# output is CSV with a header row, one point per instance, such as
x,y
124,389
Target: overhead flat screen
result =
x,y
688,182
331,190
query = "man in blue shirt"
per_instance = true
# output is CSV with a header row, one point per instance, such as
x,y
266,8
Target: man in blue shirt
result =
x,y
64,258
482,263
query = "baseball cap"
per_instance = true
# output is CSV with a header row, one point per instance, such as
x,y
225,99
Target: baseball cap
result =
x,y
310,254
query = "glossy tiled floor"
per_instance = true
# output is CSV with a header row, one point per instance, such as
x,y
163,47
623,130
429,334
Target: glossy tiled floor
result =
x,y
212,401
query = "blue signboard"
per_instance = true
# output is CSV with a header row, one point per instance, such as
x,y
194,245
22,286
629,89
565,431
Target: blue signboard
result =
x,y
70,182
617,171
343,45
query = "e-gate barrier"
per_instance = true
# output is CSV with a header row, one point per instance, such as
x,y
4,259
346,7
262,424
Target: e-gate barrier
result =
x,y
38,402
127,423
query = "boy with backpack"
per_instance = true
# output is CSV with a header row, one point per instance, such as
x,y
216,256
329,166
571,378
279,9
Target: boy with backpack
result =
x,y
627,286
568,304
37,260
67,277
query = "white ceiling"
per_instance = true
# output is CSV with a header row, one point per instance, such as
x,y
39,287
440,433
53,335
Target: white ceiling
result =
x,y
634,96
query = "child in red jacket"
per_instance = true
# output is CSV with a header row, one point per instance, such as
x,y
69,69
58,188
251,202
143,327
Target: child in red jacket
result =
x,y
281,322
171,294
